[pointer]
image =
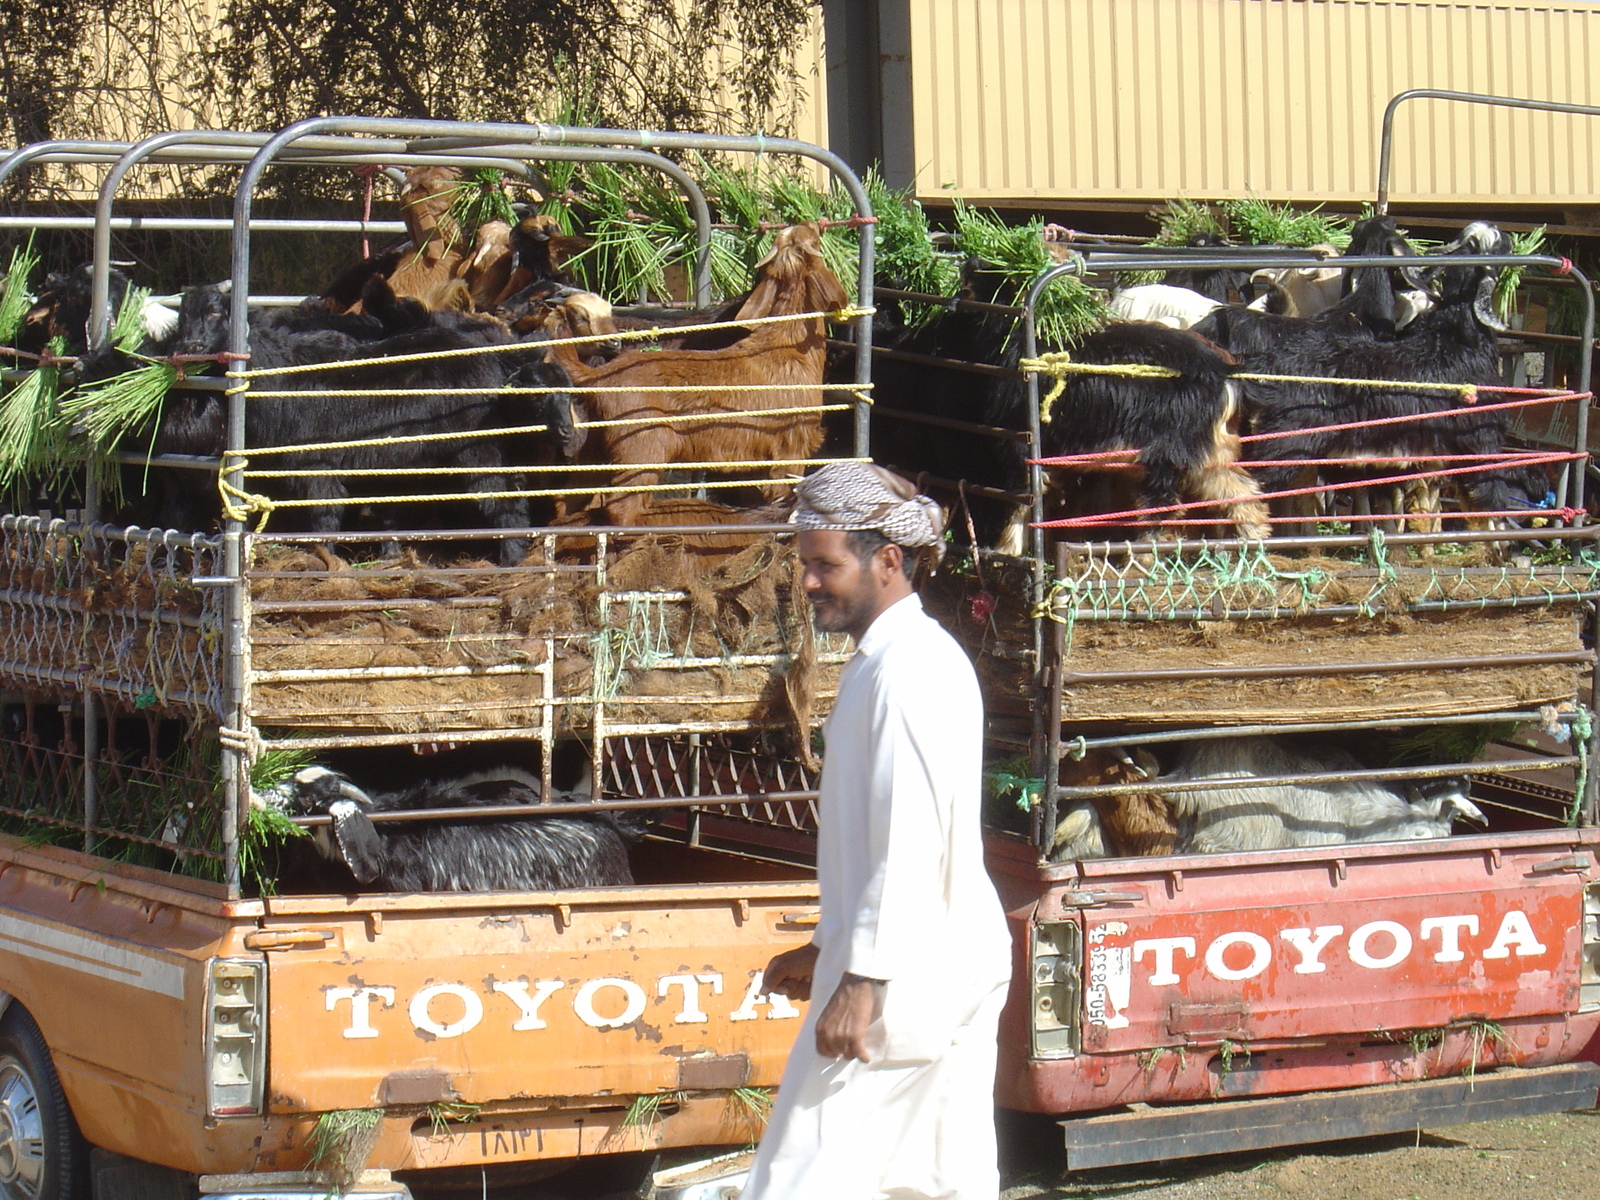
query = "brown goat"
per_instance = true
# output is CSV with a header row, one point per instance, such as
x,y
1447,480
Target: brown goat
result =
x,y
793,278
1127,826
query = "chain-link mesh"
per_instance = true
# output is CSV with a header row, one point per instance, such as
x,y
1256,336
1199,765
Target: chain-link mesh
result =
x,y
111,612
155,801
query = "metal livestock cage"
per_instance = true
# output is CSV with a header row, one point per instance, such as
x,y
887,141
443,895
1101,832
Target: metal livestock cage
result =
x,y
148,670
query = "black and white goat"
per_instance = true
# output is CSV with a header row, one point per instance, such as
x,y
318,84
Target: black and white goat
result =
x,y
1227,818
62,306
567,849
1184,426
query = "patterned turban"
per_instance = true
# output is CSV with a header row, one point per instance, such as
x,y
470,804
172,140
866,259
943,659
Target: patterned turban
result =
x,y
854,496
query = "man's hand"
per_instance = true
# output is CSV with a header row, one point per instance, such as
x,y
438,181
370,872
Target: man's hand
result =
x,y
790,972
842,1027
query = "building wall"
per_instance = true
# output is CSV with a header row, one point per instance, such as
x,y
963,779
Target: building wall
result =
x,y
1034,100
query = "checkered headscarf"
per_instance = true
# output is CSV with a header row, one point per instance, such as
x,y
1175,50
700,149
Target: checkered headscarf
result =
x,y
853,496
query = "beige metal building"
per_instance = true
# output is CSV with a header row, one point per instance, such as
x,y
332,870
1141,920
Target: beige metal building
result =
x,y
1054,103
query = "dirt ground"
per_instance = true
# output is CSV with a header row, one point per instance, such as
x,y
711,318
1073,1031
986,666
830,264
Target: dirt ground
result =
x,y
1528,1158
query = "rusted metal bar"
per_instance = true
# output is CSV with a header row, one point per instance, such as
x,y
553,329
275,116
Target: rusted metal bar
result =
x,y
1319,669
952,364
1237,731
574,808
1440,771
994,431
954,303
972,489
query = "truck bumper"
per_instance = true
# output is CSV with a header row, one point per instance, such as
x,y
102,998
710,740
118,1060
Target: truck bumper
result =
x,y
300,1185
1183,1131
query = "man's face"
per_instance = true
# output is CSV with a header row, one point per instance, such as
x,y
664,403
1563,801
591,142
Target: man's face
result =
x,y
846,593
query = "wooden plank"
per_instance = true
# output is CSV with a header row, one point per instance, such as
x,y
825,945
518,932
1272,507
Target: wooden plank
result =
x,y
1155,1134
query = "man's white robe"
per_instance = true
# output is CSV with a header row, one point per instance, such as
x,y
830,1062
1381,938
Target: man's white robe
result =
x,y
905,899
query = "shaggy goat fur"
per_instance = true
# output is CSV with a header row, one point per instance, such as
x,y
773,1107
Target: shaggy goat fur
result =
x,y
538,853
1183,427
1303,814
793,278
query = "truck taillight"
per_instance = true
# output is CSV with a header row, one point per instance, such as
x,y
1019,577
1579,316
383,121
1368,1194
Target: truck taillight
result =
x,y
1589,971
1057,963
236,1037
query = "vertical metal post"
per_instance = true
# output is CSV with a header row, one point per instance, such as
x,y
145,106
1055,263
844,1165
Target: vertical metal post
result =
x,y
1585,384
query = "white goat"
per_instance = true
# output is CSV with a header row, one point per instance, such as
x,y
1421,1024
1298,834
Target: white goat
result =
x,y
1307,814
1164,304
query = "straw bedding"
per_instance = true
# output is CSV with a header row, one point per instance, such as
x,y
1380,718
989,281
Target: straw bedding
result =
x,y
549,630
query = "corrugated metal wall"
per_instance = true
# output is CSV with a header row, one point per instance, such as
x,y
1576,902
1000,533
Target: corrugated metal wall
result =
x,y
1150,99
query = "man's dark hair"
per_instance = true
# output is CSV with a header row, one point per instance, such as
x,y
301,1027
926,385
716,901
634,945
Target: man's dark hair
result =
x,y
864,543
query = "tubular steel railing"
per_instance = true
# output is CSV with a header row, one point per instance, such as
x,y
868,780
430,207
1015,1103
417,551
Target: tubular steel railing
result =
x,y
1075,596
717,774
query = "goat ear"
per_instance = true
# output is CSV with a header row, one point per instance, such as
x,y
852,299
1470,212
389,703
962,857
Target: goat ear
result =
x,y
360,844
1457,807
1483,303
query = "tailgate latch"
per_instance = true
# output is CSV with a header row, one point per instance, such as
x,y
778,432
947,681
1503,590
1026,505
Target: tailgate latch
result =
x,y
287,939
1572,864
1099,899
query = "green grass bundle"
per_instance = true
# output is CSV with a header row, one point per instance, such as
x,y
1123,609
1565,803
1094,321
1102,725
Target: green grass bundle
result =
x,y
1068,311
905,256
108,410
1262,223
15,299
1447,743
1505,287
341,1142
32,432
1182,221
266,830
127,331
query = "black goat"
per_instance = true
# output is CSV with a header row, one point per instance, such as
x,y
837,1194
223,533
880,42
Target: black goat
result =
x,y
194,422
1357,339
531,853
1183,426
912,384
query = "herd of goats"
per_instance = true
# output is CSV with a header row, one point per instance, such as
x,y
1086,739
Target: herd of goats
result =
x,y
413,359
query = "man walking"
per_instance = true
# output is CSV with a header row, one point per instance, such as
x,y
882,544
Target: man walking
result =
x,y
889,1089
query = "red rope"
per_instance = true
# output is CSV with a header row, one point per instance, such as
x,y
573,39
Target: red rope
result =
x,y
1559,397
1565,268
370,172
1118,518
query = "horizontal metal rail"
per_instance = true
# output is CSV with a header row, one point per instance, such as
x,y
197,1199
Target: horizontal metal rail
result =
x,y
572,808
1522,717
1303,670
1438,771
220,224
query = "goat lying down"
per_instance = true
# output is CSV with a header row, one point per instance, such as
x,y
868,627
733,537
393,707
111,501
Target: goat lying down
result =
x,y
1232,819
570,850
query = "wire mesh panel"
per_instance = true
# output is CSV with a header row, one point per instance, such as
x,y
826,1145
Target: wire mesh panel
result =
x,y
115,613
154,794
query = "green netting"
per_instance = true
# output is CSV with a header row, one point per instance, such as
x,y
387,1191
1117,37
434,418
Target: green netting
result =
x,y
1180,580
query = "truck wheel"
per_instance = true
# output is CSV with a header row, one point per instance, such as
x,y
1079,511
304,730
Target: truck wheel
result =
x,y
42,1154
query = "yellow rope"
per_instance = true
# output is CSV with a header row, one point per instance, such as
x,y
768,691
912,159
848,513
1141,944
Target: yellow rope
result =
x,y
1465,389
314,393
1059,365
253,503
847,313
610,466
656,419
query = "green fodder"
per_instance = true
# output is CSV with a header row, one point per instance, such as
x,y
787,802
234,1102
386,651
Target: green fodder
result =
x,y
1181,221
1446,743
1263,223
32,435
1068,311
15,299
480,197
1505,287
904,254
127,331
341,1142
108,410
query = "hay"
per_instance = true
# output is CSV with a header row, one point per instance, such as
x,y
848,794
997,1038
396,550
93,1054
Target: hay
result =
x,y
655,645
1268,617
